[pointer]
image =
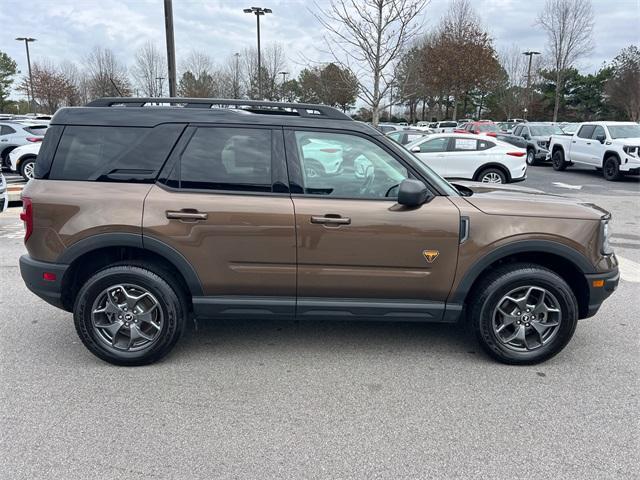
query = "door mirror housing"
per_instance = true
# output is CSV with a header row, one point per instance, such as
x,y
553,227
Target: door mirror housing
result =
x,y
601,138
526,136
415,149
413,193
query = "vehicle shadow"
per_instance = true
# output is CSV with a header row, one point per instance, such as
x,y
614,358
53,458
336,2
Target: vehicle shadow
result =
x,y
335,337
593,173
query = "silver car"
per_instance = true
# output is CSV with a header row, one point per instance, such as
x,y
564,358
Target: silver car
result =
x,y
14,134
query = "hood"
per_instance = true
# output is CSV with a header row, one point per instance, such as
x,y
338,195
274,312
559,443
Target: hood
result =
x,y
631,141
510,200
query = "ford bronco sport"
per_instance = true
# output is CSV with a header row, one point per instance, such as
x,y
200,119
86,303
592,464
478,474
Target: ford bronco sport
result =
x,y
145,213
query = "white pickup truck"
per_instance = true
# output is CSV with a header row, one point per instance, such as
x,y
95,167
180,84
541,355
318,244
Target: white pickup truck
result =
x,y
613,147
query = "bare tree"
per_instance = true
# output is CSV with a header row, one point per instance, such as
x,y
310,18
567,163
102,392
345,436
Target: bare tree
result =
x,y
273,61
51,88
106,76
149,66
569,26
202,78
367,37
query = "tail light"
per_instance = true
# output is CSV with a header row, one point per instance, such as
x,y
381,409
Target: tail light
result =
x,y
492,134
34,139
27,217
516,154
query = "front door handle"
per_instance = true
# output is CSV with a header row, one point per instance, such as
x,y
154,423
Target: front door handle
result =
x,y
186,214
331,220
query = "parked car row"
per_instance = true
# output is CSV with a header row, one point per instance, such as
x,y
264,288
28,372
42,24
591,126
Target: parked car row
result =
x,y
4,197
25,136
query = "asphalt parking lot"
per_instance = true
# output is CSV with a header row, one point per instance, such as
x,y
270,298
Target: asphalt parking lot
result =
x,y
326,399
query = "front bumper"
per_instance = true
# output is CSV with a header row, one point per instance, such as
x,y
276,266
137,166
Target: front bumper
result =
x,y
33,274
601,286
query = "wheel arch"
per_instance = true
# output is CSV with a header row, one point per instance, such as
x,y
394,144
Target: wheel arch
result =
x,y
610,153
20,160
564,261
94,253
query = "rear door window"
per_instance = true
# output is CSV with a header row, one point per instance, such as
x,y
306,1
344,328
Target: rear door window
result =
x,y
101,153
235,159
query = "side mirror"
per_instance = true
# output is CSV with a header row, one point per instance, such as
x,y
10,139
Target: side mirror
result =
x,y
526,136
413,193
416,149
601,138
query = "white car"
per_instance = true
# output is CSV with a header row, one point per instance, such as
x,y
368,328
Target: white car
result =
x,y
4,197
613,147
321,157
23,159
471,157
447,126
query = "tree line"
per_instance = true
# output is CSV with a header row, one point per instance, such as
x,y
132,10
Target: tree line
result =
x,y
382,57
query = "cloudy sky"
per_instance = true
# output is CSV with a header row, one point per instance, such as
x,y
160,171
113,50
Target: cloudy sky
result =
x,y
68,29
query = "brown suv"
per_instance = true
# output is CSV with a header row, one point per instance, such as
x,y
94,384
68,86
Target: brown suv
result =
x,y
146,212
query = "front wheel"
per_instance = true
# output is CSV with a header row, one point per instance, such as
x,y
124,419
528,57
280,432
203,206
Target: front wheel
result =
x,y
611,169
128,315
558,162
523,314
531,157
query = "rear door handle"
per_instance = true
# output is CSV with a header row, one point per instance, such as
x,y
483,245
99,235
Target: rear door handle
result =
x,y
588,143
331,220
186,215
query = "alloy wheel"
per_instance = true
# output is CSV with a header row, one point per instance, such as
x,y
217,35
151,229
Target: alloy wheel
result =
x,y
127,317
29,170
491,177
526,318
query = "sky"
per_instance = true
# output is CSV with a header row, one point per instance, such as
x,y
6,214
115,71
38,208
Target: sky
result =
x,y
68,29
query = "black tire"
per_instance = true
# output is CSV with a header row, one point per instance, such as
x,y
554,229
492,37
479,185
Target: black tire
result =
x,y
26,166
531,157
167,295
491,173
487,296
611,169
558,161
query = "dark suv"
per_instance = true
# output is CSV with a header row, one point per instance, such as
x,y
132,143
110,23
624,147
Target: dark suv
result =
x,y
537,135
146,212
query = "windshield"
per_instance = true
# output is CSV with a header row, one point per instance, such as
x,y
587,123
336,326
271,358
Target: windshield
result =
x,y
487,127
624,131
570,128
545,130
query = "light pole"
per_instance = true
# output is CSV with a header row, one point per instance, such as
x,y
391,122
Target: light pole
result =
x,y
284,78
529,54
159,80
171,46
236,77
26,41
258,12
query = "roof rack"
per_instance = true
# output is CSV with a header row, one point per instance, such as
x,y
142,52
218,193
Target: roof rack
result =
x,y
254,106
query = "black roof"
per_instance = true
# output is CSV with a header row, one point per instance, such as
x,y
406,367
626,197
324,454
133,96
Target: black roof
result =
x,y
149,112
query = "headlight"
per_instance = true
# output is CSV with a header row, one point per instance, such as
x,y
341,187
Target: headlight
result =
x,y
632,151
605,235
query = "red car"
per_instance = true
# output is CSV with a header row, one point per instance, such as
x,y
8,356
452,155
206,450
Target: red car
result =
x,y
485,127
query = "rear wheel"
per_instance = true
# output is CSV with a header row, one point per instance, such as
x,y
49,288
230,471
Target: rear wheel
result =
x,y
523,314
27,168
558,161
611,169
128,315
492,175
531,157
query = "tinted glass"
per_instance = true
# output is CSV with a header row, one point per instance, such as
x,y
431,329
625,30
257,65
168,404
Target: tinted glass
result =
x,y
113,153
598,131
485,145
586,131
448,124
365,169
517,131
227,159
6,130
487,127
37,129
434,145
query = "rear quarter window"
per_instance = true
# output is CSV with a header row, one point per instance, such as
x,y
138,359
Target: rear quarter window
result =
x,y
105,153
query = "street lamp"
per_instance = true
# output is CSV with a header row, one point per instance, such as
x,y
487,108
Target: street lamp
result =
x,y
258,12
284,77
26,41
529,54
